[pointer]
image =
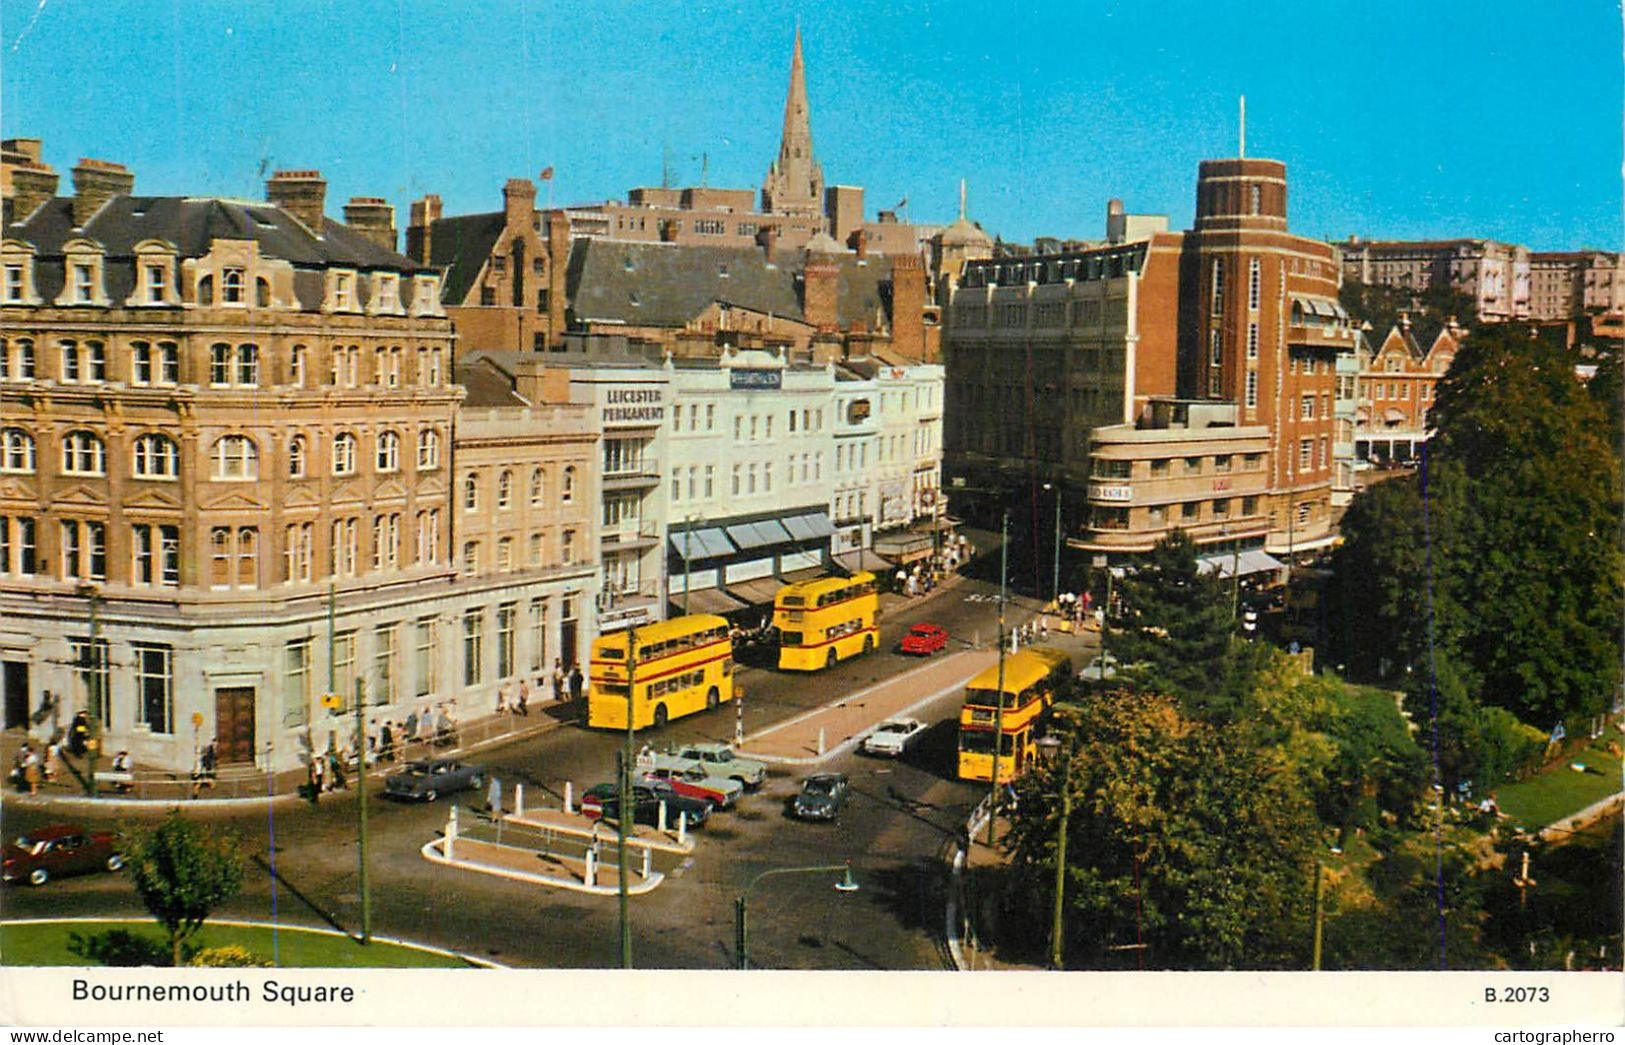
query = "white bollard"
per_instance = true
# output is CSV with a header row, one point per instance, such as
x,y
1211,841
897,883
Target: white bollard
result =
x,y
820,740
567,789
662,826
590,875
682,828
647,864
519,800
451,832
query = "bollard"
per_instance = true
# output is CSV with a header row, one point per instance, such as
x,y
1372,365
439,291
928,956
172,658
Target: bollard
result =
x,y
682,828
662,825
567,789
590,875
451,831
820,740
647,864
519,800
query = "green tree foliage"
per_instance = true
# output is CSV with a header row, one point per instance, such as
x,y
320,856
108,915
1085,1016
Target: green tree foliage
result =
x,y
1173,626
1424,910
1379,307
1183,837
182,870
1505,545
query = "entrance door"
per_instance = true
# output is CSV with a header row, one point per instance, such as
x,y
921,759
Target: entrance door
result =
x,y
567,643
16,686
234,725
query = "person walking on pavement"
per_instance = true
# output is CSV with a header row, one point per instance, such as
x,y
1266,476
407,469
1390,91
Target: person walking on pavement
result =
x,y
558,680
79,733
386,744
318,775
493,797
31,770
575,683
523,707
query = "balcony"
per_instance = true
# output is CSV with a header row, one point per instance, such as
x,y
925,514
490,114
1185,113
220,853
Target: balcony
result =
x,y
640,478
629,535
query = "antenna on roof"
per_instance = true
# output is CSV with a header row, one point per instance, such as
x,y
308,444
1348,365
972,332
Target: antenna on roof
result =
x,y
961,199
665,166
1243,153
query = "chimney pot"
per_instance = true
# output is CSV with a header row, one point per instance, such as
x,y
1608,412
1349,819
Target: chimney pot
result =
x,y
301,194
373,217
94,183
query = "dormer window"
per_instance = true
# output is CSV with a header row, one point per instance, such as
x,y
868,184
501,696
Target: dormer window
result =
x,y
386,297
13,285
84,284
343,287
157,277
231,285
426,296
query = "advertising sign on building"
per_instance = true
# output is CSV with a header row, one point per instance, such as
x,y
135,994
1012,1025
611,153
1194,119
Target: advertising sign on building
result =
x,y
634,406
1098,492
752,380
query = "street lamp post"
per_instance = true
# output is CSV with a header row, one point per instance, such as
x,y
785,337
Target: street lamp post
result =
x,y
845,885
1057,938
627,804
1055,573
998,710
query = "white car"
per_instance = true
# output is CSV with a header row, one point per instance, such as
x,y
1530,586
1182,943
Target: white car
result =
x,y
893,736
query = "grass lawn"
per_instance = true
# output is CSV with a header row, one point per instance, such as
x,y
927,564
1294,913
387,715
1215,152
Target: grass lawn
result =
x,y
1560,791
46,943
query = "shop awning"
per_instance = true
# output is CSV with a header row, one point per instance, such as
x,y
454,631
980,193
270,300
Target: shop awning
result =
x,y
797,576
759,592
862,560
707,543
810,527
708,600
1247,563
1326,308
1393,414
758,534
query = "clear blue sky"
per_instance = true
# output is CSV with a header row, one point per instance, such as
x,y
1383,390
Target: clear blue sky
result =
x,y
1498,118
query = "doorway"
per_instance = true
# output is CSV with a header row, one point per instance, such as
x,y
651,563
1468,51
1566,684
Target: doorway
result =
x,y
16,686
234,725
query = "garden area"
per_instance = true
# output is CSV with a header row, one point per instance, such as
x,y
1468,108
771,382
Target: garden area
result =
x,y
119,942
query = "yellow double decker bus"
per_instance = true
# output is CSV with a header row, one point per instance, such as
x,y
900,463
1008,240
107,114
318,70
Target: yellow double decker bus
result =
x,y
1030,681
683,665
826,620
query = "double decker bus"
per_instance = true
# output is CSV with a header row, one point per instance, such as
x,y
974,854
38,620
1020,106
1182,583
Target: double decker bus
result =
x,y
1030,680
826,620
683,665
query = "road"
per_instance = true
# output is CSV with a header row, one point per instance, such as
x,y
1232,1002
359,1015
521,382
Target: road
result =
x,y
900,822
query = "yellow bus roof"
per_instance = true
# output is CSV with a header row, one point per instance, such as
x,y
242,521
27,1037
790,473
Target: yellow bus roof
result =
x,y
1022,669
819,585
660,631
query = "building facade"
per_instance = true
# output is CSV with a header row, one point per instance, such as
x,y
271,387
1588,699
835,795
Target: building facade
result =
x,y
1395,389
1498,277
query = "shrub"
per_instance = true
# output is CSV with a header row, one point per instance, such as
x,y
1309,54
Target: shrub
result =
x,y
231,956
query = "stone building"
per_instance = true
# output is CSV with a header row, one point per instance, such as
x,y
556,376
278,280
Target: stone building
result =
x,y
1496,276
228,435
1395,389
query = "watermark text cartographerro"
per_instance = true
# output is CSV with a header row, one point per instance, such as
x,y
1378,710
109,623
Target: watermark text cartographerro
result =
x,y
1544,1037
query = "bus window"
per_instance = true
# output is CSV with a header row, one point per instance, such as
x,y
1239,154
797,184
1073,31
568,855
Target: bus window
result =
x,y
789,638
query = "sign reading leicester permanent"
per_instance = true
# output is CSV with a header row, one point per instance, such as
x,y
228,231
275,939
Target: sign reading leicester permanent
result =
x,y
637,406
752,380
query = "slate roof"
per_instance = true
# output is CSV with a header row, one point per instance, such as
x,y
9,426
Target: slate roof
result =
x,y
667,285
487,384
191,224
461,246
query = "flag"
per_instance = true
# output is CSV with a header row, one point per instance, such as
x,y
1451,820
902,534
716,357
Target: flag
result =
x,y
547,173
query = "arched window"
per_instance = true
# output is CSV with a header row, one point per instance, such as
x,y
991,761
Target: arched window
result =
x,y
231,286
538,487
428,449
297,457
505,490
262,292
567,490
389,452
344,449
205,290
471,492
16,452
157,457
83,454
236,457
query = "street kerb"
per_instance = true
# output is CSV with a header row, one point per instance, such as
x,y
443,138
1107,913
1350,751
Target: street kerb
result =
x,y
551,848
845,720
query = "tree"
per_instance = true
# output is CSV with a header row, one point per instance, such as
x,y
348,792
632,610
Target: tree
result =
x,y
1187,845
183,870
1174,628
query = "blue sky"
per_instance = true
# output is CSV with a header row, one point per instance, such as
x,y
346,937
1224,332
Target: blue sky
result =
x,y
1395,119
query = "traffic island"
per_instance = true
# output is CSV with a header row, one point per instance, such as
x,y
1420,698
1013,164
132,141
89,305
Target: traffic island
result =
x,y
555,848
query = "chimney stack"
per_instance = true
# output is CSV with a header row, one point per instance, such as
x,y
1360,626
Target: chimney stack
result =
x,y
519,203
373,217
94,183
420,230
303,194
31,185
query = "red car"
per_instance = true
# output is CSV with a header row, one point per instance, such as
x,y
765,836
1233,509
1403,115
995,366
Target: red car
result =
x,y
58,850
924,640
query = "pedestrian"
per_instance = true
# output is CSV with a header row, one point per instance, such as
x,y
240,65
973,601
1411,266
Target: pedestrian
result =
x,y
79,734
576,680
318,774
558,680
523,708
335,765
31,770
206,762
502,699
493,797
53,755
386,743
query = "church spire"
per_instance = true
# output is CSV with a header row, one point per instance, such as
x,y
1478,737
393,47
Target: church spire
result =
x,y
795,182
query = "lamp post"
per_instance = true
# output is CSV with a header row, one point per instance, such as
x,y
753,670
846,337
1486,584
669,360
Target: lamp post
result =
x,y
998,710
1055,573
845,885
1057,938
627,803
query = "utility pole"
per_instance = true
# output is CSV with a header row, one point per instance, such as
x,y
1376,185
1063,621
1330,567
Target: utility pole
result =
x,y
1320,909
688,560
628,806
98,696
1235,579
361,809
998,712
332,639
1057,932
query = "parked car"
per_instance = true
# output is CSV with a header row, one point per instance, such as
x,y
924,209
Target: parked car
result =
x,y
722,792
923,640
822,797
602,801
58,851
893,737
431,778
715,760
